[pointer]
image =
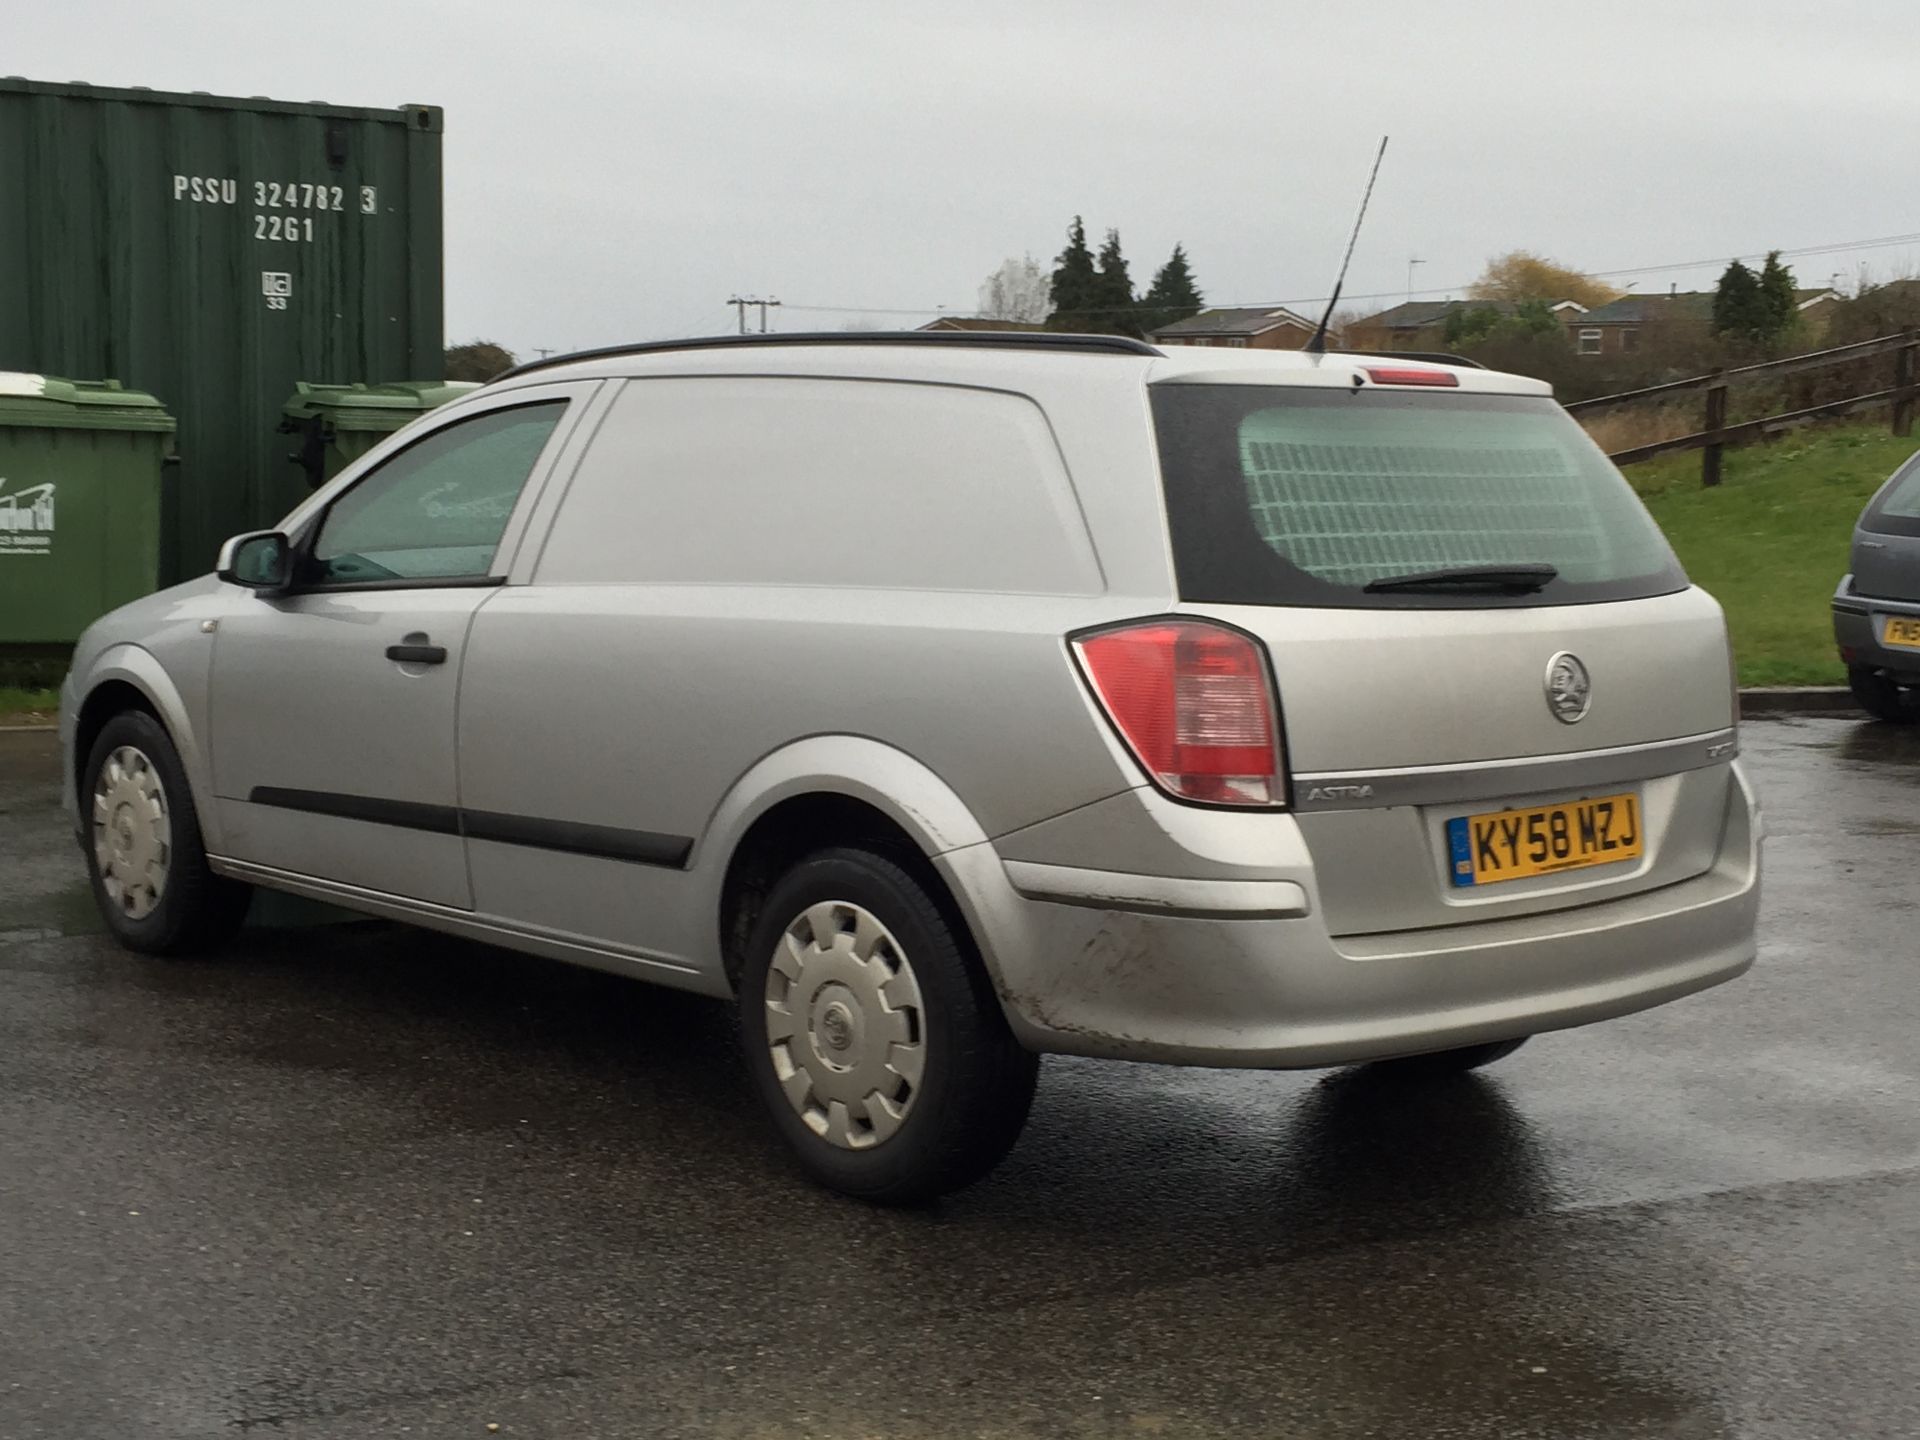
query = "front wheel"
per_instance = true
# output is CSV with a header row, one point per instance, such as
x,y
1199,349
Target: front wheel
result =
x,y
1881,697
873,1036
1449,1062
144,853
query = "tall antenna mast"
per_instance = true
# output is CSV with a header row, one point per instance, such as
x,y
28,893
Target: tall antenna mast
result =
x,y
1317,344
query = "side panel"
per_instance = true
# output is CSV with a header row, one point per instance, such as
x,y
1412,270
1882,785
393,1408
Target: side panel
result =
x,y
214,251
669,916
740,563
671,693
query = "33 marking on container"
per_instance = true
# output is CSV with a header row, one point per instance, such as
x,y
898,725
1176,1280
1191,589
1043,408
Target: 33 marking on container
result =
x,y
277,286
26,520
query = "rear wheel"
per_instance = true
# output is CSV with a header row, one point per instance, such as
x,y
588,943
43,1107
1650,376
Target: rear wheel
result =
x,y
1449,1062
1881,698
873,1036
144,853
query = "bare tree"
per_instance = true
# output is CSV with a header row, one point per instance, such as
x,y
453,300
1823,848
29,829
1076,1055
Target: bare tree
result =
x,y
478,360
1019,290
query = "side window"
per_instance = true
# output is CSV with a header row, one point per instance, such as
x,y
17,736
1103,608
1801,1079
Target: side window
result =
x,y
801,481
437,509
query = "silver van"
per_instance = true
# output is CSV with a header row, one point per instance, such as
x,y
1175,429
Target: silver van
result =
x,y
1876,609
948,700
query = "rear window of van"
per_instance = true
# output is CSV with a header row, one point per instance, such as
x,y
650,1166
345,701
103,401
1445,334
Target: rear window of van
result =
x,y
1287,496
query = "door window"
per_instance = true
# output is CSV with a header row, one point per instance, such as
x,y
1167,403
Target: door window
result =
x,y
435,511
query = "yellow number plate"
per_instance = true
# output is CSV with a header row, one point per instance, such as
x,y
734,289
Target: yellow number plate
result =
x,y
1513,844
1902,630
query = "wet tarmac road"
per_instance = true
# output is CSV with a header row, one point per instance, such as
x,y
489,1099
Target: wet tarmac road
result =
x,y
356,1181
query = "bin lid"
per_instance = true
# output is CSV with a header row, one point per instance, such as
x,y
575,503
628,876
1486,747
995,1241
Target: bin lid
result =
x,y
373,407
49,402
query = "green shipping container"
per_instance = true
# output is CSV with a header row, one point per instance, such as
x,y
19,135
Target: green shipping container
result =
x,y
81,467
214,251
336,424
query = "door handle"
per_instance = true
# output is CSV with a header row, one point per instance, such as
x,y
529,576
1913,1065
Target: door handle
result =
x,y
418,654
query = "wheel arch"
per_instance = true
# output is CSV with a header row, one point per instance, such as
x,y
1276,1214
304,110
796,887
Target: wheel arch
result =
x,y
822,791
127,677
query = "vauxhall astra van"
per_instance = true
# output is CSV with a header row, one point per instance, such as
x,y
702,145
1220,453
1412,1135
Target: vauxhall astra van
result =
x,y
944,701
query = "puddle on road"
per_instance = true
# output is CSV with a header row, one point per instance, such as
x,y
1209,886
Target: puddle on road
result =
x,y
1879,825
1893,749
68,911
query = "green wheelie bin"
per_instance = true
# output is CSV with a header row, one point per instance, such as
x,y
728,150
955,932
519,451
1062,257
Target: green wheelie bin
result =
x,y
337,424
81,473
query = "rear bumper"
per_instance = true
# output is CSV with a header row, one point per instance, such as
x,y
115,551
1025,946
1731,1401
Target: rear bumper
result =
x,y
1186,979
1857,629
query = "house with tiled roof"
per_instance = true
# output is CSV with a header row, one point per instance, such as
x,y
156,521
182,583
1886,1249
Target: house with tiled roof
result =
x,y
1244,328
1422,324
977,322
1615,328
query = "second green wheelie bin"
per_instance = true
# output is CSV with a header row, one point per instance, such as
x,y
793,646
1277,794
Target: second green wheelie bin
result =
x,y
82,468
337,424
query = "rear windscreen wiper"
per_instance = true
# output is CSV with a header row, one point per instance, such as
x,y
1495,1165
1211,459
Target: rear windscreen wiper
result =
x,y
1498,579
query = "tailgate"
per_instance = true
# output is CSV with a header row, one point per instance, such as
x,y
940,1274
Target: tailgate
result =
x,y
1400,724
1497,691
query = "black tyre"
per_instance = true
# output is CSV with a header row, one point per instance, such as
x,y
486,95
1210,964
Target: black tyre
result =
x,y
1881,698
1449,1062
874,1036
143,847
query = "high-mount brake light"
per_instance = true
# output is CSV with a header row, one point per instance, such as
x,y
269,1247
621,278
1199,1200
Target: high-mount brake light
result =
x,y
1404,375
1193,703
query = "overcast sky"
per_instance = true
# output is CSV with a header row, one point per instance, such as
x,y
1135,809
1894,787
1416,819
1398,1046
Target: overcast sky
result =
x,y
615,171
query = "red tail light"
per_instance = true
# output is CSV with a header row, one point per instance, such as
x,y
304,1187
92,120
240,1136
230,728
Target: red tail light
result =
x,y
1193,703
1389,375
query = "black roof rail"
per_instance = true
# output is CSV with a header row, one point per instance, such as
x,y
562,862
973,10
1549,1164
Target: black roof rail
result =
x,y
963,339
1432,357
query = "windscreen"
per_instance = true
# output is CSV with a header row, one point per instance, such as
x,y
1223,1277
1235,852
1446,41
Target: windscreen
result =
x,y
1286,496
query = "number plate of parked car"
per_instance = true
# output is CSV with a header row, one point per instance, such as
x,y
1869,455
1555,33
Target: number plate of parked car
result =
x,y
1903,630
1514,844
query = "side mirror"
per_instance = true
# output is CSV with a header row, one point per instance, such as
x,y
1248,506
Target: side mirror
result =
x,y
261,560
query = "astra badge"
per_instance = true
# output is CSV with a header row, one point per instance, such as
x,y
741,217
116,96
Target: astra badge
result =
x,y
1569,688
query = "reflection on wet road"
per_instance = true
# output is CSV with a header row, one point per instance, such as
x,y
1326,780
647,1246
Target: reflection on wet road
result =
x,y
354,1179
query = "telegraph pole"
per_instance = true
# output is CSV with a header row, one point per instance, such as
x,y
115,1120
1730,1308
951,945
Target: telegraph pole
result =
x,y
740,303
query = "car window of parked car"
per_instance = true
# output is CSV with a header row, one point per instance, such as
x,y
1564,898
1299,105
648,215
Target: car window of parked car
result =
x,y
1896,509
435,511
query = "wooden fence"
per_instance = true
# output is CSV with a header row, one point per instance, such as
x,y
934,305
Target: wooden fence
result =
x,y
1715,434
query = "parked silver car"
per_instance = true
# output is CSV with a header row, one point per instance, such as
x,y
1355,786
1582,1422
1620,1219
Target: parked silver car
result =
x,y
1876,610
950,700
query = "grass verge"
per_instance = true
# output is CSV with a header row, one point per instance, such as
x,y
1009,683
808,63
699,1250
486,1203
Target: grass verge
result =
x,y
28,707
1771,541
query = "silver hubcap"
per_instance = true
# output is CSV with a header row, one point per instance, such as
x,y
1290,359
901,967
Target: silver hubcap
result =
x,y
844,1025
132,832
